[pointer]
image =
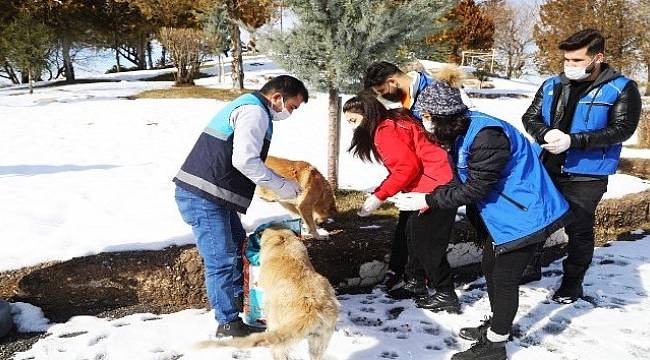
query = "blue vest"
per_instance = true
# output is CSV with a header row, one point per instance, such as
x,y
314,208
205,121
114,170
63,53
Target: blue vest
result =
x,y
208,170
525,201
592,113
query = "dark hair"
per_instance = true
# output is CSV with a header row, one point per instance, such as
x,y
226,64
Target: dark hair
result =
x,y
373,112
592,39
287,85
446,128
378,72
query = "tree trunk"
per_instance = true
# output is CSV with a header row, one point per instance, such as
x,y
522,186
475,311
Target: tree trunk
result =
x,y
647,85
163,61
67,61
149,51
142,56
29,75
11,74
117,58
333,136
237,71
220,68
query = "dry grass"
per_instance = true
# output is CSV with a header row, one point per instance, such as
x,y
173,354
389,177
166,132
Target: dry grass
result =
x,y
185,92
349,202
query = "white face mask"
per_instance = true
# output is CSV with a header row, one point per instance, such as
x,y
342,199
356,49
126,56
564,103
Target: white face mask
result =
x,y
577,72
282,115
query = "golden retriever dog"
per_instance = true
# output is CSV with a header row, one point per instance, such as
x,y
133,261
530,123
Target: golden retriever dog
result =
x,y
298,302
315,204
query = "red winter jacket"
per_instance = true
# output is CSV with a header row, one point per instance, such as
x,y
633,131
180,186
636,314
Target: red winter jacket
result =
x,y
414,163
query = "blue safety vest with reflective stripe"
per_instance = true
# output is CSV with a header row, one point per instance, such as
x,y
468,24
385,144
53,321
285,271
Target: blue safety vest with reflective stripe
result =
x,y
208,170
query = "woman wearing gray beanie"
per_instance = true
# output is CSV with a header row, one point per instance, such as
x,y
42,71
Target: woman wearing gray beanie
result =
x,y
510,199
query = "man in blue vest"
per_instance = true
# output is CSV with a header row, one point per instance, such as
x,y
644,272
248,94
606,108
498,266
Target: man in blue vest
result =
x,y
580,118
218,179
511,201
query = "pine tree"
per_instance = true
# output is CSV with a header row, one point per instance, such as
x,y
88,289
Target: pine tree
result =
x,y
469,28
27,43
334,41
561,18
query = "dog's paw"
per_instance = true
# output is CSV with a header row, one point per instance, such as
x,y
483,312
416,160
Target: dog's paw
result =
x,y
319,234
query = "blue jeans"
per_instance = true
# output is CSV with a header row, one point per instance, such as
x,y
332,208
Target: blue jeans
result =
x,y
219,236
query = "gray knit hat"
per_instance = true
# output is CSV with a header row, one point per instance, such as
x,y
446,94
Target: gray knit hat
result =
x,y
439,98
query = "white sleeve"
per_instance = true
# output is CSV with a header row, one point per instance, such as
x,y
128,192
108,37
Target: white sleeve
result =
x,y
250,123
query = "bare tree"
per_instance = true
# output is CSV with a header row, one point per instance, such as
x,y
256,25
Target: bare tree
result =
x,y
188,49
644,39
513,35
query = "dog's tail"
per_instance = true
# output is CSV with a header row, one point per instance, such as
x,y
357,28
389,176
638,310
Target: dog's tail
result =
x,y
289,333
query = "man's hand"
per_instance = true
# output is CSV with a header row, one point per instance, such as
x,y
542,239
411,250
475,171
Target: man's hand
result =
x,y
289,190
371,204
410,201
557,141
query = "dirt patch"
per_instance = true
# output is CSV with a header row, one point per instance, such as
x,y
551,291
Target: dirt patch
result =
x,y
616,217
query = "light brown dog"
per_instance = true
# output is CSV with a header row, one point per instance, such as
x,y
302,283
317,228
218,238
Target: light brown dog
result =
x,y
315,204
298,302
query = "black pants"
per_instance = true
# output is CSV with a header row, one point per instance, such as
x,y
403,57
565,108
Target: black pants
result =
x,y
502,275
583,197
427,239
399,250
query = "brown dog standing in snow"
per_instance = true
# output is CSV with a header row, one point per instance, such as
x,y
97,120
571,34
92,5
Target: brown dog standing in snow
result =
x,y
298,302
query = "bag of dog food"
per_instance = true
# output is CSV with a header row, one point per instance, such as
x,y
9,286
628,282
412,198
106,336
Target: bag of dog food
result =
x,y
253,294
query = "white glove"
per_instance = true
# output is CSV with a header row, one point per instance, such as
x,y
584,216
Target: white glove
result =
x,y
289,190
410,201
371,204
557,141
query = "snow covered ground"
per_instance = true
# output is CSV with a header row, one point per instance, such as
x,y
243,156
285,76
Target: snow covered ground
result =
x,y
612,323
85,170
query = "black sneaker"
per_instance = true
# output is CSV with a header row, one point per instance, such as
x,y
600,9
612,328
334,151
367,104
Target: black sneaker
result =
x,y
413,288
567,293
235,328
474,333
483,349
444,299
570,289
393,281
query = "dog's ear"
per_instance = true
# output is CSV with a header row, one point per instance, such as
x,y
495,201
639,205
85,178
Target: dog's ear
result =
x,y
274,235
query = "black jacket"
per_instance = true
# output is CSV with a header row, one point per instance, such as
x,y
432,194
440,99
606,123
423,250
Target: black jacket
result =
x,y
621,124
489,155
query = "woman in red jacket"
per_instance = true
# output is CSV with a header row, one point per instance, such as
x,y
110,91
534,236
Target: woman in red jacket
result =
x,y
414,163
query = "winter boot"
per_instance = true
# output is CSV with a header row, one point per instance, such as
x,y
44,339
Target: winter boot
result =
x,y
393,281
414,288
533,271
444,299
474,333
235,328
570,289
483,349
